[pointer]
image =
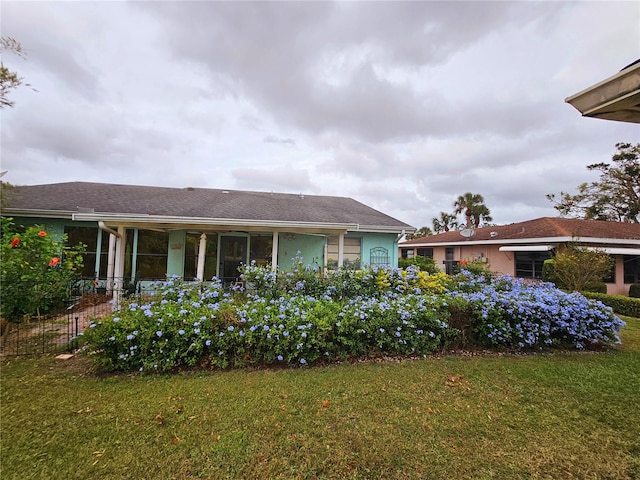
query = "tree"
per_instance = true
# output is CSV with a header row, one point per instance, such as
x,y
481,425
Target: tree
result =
x,y
421,232
615,196
446,222
576,267
9,80
472,206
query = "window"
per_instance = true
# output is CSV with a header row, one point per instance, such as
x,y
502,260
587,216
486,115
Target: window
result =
x,y
379,256
529,264
631,268
151,257
191,256
261,247
406,252
89,237
425,252
611,276
351,254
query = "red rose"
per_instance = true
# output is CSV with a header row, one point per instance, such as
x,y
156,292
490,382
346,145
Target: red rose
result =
x,y
42,233
54,261
15,242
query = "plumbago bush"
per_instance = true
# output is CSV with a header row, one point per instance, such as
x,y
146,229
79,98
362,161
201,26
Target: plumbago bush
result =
x,y
301,318
513,313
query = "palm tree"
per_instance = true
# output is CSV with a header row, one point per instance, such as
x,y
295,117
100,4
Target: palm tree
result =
x,y
473,207
421,232
445,223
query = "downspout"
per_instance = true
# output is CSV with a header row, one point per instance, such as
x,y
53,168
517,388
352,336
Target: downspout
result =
x,y
102,226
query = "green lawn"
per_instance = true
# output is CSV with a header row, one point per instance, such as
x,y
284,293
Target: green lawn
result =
x,y
556,415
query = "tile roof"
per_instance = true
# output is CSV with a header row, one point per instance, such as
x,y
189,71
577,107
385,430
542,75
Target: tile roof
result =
x,y
197,203
545,227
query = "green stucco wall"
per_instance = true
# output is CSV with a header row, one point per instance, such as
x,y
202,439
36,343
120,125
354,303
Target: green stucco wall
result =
x,y
311,248
386,240
175,256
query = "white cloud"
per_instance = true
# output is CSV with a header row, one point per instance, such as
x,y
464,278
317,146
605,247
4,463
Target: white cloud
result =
x,y
401,105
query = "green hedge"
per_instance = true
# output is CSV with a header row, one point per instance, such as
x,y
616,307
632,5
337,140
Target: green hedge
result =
x,y
634,290
621,305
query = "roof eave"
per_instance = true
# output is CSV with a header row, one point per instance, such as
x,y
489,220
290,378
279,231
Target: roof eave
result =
x,y
525,241
39,213
615,98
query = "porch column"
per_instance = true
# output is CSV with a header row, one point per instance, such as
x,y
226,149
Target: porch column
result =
x,y
202,253
274,252
341,250
111,256
96,269
118,271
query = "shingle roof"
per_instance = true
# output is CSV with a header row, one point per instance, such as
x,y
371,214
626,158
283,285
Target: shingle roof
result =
x,y
198,203
545,227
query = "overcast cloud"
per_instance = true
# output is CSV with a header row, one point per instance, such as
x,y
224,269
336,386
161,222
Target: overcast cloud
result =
x,y
400,105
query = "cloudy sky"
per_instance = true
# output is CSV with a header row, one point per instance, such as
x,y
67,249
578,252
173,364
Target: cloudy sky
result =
x,y
400,105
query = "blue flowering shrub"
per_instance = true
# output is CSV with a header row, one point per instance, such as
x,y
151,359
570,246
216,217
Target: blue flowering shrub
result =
x,y
305,318
514,313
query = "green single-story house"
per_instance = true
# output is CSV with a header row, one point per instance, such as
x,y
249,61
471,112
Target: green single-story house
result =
x,y
146,233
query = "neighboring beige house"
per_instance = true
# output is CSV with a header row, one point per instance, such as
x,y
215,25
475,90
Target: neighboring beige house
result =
x,y
520,249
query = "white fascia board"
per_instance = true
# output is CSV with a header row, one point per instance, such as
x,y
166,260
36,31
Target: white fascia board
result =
x,y
610,89
124,219
526,248
66,214
383,229
615,251
527,241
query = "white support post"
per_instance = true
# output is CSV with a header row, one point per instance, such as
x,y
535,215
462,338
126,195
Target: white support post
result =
x,y
341,250
118,271
274,252
202,253
111,259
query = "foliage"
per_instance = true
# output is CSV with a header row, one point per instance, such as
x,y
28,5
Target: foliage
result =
x,y
615,196
475,267
421,232
375,312
515,314
634,290
575,268
424,263
620,304
472,206
36,270
9,80
446,222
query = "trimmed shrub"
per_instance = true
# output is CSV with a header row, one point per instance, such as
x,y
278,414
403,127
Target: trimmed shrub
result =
x,y
620,304
634,290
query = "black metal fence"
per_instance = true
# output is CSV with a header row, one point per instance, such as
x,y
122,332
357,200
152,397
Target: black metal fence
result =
x,y
55,331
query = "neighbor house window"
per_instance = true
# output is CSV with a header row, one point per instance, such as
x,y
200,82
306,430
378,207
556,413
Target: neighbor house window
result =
x,y
529,264
351,254
631,268
425,252
406,252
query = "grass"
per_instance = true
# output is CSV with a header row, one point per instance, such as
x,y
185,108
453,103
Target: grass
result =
x,y
556,415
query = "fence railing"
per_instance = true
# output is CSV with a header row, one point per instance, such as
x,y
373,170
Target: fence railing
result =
x,y
55,331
